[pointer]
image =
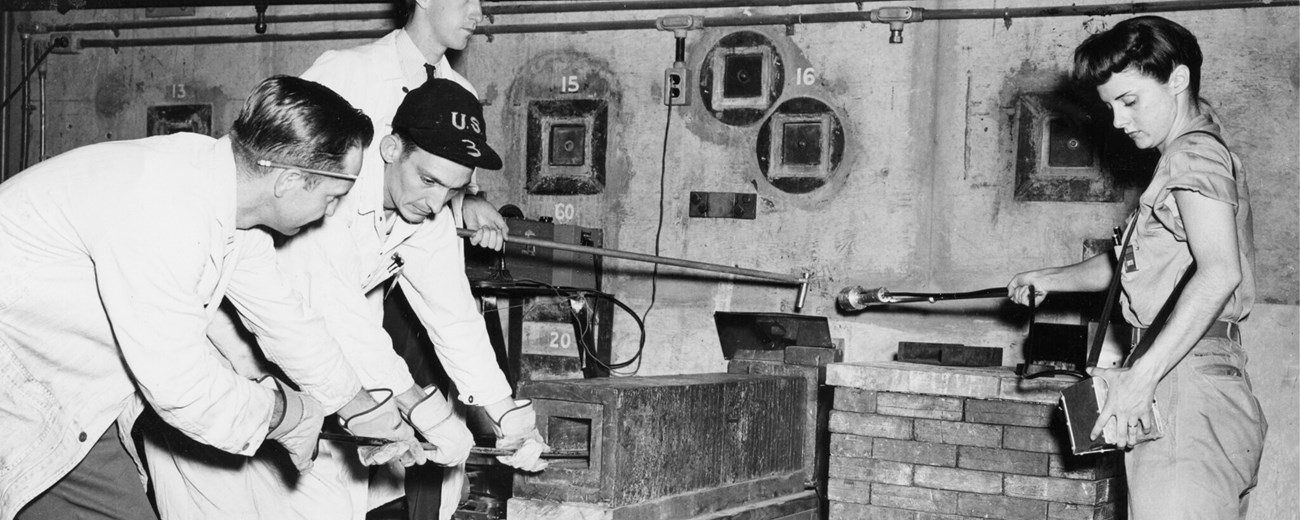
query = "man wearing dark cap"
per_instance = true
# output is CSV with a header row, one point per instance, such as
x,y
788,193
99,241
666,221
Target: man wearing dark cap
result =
x,y
391,228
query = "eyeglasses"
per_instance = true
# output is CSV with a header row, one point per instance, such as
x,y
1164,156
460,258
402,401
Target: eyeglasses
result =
x,y
336,175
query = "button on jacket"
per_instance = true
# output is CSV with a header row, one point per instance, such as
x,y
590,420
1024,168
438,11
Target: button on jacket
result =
x,y
113,260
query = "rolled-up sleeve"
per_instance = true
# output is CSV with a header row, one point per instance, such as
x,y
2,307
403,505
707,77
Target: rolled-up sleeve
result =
x,y
290,334
148,269
435,284
1209,176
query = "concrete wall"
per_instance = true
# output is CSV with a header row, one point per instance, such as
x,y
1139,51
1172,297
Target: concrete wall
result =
x,y
924,198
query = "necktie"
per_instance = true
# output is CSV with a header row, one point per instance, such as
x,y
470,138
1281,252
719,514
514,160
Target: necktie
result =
x,y
431,70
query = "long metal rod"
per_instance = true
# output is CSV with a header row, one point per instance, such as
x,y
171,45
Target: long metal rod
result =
x,y
642,257
723,21
476,450
6,31
906,297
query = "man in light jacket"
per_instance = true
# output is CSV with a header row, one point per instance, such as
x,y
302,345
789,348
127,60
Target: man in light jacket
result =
x,y
113,260
375,77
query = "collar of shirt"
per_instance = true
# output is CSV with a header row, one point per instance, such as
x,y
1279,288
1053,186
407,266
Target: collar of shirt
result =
x,y
1206,120
221,167
412,61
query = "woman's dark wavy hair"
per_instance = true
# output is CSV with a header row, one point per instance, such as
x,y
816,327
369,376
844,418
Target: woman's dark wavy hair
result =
x,y
1149,44
294,121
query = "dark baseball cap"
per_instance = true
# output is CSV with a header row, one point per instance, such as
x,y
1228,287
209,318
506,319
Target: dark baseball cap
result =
x,y
446,120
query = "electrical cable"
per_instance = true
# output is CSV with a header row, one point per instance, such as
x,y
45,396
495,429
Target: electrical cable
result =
x,y
663,176
27,77
567,292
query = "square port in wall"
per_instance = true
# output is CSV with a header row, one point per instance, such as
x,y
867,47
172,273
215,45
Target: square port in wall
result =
x,y
800,145
568,144
1058,153
565,152
743,77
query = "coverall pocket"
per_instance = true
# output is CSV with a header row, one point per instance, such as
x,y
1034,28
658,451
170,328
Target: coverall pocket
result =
x,y
27,409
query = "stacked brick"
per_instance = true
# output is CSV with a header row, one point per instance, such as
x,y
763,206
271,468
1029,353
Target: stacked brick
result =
x,y
920,442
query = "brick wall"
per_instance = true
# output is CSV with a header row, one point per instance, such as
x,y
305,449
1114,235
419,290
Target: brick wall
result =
x,y
919,442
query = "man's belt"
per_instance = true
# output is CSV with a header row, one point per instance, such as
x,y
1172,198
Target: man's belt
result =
x,y
1219,329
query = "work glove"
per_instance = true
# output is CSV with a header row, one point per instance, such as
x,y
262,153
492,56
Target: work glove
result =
x,y
384,421
299,425
436,421
517,430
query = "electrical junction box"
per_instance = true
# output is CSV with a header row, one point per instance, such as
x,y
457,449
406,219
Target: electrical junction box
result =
x,y
675,80
565,149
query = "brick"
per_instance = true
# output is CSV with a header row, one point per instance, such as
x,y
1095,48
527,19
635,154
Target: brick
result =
x,y
1001,507
909,378
1078,512
812,356
967,434
1041,440
1071,491
844,445
855,400
914,498
871,470
936,516
759,355
1005,461
923,406
914,452
844,511
845,490
1009,413
954,479
1085,467
871,425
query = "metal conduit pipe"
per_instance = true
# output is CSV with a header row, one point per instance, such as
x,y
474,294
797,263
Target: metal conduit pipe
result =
x,y
652,5
729,21
23,117
210,22
1101,10
725,21
6,30
566,7
253,38
40,155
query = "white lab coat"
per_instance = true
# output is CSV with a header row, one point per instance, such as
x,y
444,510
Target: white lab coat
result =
x,y
113,259
343,269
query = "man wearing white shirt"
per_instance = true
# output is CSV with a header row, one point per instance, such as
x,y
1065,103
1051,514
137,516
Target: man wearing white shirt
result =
x,y
393,228
375,77
113,260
